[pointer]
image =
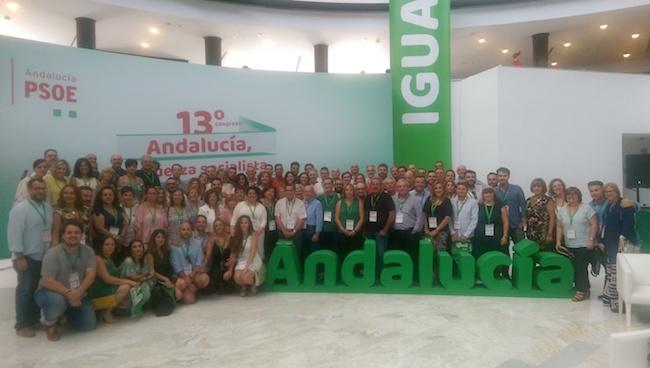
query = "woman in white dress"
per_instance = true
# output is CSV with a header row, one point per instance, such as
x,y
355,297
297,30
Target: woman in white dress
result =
x,y
248,271
256,211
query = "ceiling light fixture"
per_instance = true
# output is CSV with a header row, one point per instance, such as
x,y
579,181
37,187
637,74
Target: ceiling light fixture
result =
x,y
554,63
154,30
504,51
481,40
567,44
635,35
626,55
12,6
145,45
603,26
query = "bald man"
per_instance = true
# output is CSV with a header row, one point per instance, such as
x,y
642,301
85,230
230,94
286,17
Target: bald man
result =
x,y
148,172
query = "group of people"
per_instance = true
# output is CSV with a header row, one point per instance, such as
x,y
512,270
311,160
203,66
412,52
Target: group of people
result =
x,y
87,243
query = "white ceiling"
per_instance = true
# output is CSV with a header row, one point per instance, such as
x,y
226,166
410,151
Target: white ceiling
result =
x,y
272,39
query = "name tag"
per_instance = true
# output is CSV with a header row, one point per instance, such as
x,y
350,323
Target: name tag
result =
x,y
399,218
271,225
571,233
372,216
457,225
291,223
489,229
327,216
75,282
114,231
349,225
433,222
46,236
188,269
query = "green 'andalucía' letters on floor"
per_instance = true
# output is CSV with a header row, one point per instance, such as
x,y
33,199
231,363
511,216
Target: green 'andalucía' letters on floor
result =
x,y
534,273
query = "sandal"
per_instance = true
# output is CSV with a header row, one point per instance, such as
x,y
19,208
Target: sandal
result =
x,y
580,296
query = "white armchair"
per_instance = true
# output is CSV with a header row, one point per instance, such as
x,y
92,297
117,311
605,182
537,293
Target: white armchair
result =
x,y
633,281
629,349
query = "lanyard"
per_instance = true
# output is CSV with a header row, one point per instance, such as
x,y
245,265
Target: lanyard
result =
x,y
571,215
150,177
244,245
252,209
290,210
327,200
460,208
186,252
488,213
433,207
505,195
348,208
74,262
180,215
401,203
373,200
42,214
271,210
130,213
153,215
112,213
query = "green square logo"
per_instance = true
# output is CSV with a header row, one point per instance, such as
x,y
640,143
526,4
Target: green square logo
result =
x,y
72,114
56,112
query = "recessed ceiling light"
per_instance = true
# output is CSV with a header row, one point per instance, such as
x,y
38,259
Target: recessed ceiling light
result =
x,y
145,45
504,51
481,40
635,35
154,30
567,44
603,26
626,55
554,63
12,6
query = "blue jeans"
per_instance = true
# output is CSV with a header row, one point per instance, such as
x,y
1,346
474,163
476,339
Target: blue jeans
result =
x,y
55,305
27,312
382,245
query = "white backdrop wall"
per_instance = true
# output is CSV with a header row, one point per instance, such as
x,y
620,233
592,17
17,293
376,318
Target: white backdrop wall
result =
x,y
549,123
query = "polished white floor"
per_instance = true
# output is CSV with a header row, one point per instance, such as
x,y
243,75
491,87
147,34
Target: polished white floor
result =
x,y
334,330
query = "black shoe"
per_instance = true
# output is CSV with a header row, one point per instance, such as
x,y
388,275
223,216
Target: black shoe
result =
x,y
601,296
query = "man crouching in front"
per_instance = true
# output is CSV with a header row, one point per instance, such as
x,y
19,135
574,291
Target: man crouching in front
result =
x,y
67,272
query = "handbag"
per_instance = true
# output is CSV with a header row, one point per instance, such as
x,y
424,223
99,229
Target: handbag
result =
x,y
163,299
136,296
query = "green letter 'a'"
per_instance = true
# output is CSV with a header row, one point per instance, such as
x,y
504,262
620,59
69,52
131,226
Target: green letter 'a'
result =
x,y
283,267
555,273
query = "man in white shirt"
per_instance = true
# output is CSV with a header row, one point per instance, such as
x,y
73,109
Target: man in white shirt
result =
x,y
22,192
465,219
474,186
290,216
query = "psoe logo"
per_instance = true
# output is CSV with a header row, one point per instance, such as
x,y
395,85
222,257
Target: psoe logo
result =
x,y
51,86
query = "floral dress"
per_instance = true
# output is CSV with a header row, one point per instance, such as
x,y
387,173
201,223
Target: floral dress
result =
x,y
538,220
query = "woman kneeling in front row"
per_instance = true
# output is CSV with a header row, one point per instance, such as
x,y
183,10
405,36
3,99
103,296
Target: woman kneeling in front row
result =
x,y
248,272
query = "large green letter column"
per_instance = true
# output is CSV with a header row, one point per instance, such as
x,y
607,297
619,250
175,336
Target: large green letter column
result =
x,y
419,59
